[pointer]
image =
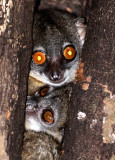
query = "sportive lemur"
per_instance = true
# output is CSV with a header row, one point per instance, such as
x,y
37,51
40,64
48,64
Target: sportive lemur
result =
x,y
58,38
46,117
48,113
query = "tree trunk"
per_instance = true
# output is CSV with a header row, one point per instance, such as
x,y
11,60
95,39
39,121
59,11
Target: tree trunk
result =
x,y
90,136
15,53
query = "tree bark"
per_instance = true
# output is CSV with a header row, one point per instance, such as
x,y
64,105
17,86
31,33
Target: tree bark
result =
x,y
15,53
90,136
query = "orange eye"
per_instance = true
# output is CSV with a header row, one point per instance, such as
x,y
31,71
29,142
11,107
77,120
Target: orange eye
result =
x,y
48,117
39,57
43,91
69,53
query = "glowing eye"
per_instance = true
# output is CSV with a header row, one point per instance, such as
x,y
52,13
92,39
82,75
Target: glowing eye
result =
x,y
43,91
39,57
48,116
69,53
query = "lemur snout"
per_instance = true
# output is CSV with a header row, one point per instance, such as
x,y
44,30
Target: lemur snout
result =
x,y
55,72
54,76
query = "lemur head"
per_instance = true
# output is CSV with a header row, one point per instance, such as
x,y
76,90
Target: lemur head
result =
x,y
58,38
48,114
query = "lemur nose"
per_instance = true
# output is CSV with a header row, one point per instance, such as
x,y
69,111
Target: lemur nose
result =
x,y
54,76
55,72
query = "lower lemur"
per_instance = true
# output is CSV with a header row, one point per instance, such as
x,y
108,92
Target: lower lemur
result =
x,y
48,113
46,117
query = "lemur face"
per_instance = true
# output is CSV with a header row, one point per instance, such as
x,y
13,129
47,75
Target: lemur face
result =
x,y
40,116
48,113
57,43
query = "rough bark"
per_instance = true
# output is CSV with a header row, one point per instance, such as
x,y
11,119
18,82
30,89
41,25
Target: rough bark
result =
x,y
15,52
90,136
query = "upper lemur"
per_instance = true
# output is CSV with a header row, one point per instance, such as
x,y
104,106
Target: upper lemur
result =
x,y
58,38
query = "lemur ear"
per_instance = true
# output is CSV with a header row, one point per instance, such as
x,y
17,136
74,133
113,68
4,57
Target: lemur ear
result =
x,y
81,29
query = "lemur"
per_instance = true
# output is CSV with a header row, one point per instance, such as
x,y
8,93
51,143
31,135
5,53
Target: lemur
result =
x,y
47,112
58,38
46,118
